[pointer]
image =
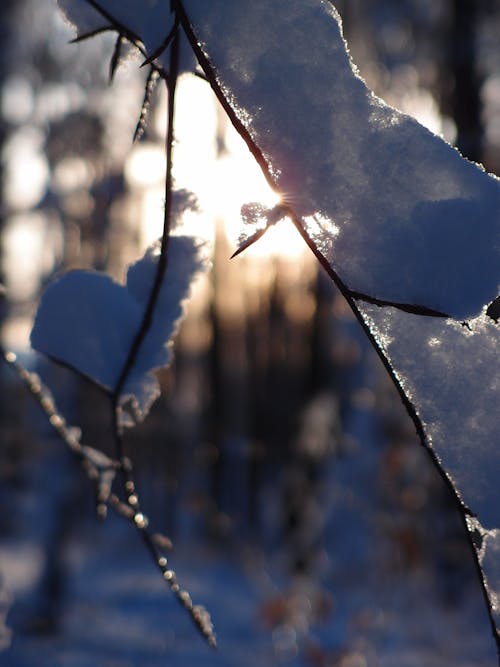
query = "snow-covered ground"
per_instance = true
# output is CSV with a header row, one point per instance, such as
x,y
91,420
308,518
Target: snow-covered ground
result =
x,y
116,611
362,604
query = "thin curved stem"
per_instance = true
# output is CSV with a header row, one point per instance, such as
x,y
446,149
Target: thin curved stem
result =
x,y
163,258
129,486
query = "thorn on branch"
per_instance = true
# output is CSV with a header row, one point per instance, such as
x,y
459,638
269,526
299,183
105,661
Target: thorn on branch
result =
x,y
115,58
119,27
126,33
251,213
249,241
91,33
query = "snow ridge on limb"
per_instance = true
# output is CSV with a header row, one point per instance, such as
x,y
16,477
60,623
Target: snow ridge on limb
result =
x,y
447,376
389,205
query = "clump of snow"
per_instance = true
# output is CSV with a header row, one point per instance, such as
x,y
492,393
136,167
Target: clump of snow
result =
x,y
414,222
88,322
450,374
397,213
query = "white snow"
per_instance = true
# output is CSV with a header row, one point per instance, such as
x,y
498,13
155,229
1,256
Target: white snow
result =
x,y
450,374
403,217
88,322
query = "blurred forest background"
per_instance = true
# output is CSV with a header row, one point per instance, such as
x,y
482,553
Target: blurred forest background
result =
x,y
304,513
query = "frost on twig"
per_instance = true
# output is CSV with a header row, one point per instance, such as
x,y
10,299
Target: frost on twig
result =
x,y
148,91
101,470
146,26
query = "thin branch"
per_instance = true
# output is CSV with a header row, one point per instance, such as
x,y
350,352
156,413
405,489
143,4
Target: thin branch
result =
x,y
162,260
125,32
131,509
121,27
96,463
164,45
128,480
198,614
69,434
249,241
99,467
90,34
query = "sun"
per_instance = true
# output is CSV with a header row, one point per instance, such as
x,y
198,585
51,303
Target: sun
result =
x,y
211,160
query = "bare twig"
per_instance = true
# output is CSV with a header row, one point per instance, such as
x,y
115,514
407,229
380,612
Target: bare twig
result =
x,y
162,260
120,27
131,507
99,467
91,33
126,33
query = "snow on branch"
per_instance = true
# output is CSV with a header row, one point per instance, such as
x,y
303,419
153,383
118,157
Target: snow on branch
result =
x,y
87,321
394,210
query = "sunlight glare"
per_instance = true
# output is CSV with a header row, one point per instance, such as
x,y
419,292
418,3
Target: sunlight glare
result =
x,y
145,165
26,169
213,161
31,246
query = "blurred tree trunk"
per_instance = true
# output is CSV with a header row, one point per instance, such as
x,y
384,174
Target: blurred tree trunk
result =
x,y
465,103
6,33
